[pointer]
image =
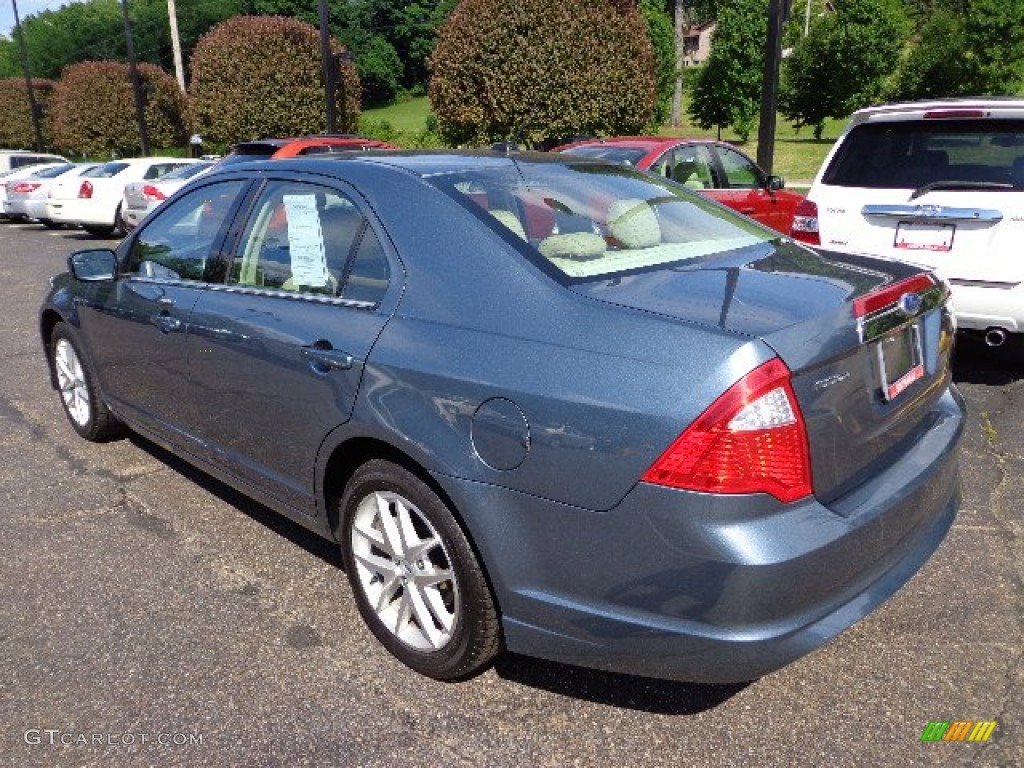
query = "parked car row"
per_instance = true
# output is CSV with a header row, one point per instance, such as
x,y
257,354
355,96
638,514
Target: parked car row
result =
x,y
103,198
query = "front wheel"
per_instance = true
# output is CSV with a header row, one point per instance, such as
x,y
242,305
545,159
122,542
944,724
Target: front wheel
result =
x,y
415,577
83,406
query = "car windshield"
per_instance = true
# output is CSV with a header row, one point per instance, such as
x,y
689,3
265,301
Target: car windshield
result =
x,y
622,155
594,219
969,154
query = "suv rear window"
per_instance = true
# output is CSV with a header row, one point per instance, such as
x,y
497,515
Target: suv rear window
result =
x,y
910,154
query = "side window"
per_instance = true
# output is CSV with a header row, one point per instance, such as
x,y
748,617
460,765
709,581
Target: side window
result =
x,y
305,238
740,173
368,276
692,166
177,243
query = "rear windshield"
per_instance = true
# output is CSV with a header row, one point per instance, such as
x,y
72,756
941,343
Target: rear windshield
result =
x,y
623,155
50,173
187,171
106,170
20,161
592,220
911,154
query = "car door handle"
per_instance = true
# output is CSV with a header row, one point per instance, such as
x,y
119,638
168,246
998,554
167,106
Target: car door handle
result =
x,y
747,211
326,358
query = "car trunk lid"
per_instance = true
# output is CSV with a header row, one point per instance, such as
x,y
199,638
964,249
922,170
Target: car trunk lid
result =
x,y
866,344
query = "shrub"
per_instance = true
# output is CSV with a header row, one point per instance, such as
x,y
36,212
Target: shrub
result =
x,y
94,109
255,76
535,71
16,131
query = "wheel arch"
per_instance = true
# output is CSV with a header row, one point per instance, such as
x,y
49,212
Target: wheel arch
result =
x,y
47,322
351,454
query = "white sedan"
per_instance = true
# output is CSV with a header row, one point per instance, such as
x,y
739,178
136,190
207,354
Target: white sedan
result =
x,y
142,197
10,179
95,205
28,197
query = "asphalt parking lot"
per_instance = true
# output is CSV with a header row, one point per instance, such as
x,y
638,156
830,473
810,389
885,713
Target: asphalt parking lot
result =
x,y
149,615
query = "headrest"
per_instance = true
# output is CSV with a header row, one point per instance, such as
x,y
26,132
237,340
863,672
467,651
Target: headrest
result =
x,y
579,246
634,224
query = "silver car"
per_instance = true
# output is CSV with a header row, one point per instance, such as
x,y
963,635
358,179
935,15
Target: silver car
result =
x,y
142,197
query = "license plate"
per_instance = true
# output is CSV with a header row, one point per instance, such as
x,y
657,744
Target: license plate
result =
x,y
913,236
900,361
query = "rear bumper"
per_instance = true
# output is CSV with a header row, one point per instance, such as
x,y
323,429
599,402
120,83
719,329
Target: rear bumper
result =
x,y
695,587
982,307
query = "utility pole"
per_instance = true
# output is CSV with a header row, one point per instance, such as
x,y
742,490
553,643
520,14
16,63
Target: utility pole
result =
x,y
140,107
680,20
778,12
327,63
172,20
32,105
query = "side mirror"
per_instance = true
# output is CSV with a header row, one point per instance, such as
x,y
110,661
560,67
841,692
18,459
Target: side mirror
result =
x,y
775,183
93,265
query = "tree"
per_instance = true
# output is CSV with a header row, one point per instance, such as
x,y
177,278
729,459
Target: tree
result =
x,y
535,71
258,76
847,61
966,48
94,113
16,130
728,88
662,36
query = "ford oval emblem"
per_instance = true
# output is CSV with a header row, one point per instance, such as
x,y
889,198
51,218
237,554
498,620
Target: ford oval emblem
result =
x,y
910,304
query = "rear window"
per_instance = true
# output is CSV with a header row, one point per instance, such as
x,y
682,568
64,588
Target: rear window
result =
x,y
911,154
20,161
592,220
50,173
622,155
187,171
105,171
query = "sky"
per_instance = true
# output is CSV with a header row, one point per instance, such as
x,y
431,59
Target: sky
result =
x,y
26,8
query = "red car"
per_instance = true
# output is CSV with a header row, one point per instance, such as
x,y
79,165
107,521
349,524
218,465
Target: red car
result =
x,y
713,168
278,148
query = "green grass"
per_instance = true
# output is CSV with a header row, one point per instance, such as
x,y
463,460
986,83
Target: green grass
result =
x,y
798,155
406,116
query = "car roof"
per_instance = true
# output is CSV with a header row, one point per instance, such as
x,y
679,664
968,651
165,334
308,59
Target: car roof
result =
x,y
968,108
637,142
422,162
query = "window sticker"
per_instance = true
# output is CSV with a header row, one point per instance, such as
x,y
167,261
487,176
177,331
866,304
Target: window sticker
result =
x,y
306,241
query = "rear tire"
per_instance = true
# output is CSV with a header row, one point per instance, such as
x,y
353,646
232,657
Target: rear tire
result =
x,y
76,382
415,577
120,225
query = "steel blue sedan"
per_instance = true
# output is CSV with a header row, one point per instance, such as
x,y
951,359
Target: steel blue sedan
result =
x,y
542,403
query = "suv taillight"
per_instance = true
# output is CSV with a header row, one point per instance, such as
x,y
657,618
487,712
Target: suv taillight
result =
x,y
752,439
805,223
85,191
152,193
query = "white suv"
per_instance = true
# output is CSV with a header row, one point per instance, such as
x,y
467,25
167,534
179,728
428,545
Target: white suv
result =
x,y
938,183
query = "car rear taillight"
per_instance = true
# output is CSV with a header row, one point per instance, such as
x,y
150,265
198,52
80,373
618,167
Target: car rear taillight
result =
x,y
24,187
955,114
152,193
85,191
805,223
752,439
890,294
